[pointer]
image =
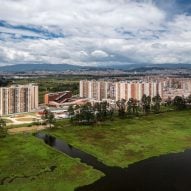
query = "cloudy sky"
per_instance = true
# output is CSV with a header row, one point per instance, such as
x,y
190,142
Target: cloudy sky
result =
x,y
97,32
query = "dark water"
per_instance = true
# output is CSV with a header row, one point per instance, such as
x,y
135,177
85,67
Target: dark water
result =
x,y
170,172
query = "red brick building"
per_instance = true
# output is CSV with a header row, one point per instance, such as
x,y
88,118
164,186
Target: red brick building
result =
x,y
57,97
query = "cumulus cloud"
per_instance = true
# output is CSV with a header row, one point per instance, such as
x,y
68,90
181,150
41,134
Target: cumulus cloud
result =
x,y
93,32
99,54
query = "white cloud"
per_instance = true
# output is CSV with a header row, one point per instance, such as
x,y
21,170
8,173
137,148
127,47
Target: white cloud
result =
x,y
99,54
82,17
95,32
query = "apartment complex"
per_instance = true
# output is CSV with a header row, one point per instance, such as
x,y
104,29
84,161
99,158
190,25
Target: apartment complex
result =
x,y
177,87
18,99
100,90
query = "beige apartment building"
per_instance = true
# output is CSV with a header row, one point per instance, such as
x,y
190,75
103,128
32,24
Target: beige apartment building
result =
x,y
100,90
18,99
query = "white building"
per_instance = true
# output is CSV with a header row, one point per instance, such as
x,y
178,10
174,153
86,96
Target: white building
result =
x,y
100,90
18,99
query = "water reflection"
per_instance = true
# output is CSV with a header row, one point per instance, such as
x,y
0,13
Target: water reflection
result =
x,y
49,140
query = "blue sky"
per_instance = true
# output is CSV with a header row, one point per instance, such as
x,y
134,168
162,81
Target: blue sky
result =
x,y
96,32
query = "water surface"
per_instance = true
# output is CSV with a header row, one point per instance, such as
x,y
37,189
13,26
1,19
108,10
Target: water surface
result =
x,y
170,172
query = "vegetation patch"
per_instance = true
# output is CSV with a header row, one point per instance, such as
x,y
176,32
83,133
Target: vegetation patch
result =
x,y
126,141
28,164
26,119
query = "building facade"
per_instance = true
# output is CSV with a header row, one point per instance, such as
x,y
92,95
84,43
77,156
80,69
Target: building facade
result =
x,y
100,90
57,97
18,99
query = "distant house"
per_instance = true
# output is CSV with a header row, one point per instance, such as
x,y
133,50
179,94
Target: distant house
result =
x,y
57,98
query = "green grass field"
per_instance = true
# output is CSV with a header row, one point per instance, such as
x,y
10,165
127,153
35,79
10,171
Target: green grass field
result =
x,y
122,142
25,155
116,143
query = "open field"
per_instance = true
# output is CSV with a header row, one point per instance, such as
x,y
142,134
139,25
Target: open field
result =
x,y
19,120
26,119
27,164
26,129
30,165
122,142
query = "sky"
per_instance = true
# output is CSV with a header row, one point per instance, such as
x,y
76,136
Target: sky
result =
x,y
95,33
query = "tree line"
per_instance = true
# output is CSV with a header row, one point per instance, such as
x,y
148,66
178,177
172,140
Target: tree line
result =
x,y
90,113
101,111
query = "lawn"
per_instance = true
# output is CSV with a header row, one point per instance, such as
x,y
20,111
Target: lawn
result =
x,y
7,120
26,119
125,141
30,165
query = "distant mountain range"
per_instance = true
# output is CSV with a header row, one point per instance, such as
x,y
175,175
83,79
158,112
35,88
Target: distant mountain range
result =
x,y
22,68
39,67
137,67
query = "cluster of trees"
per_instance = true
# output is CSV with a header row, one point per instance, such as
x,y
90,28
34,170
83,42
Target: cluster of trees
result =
x,y
4,82
148,104
48,117
88,113
134,107
179,102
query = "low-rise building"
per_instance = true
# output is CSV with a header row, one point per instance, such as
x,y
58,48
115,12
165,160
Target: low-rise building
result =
x,y
57,97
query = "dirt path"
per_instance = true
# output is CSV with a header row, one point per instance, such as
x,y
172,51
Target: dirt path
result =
x,y
26,129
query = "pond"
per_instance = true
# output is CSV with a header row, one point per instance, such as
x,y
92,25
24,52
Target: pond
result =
x,y
171,172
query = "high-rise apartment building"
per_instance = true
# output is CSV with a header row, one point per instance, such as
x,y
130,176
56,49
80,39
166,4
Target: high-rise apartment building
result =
x,y
18,99
119,90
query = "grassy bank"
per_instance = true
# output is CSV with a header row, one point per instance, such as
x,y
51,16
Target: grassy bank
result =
x,y
122,142
38,167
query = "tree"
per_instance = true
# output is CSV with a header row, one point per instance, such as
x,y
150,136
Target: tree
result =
x,y
188,100
71,112
129,106
101,110
48,117
179,102
146,103
86,114
3,130
121,104
87,111
169,101
132,106
98,111
110,113
135,106
104,109
157,102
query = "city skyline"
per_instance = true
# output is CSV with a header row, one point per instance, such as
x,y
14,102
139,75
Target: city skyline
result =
x,y
95,33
